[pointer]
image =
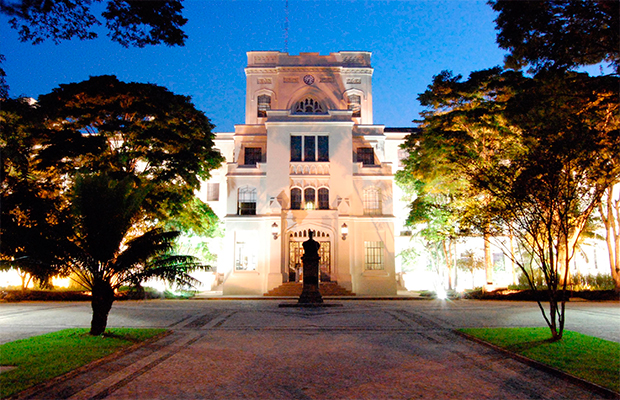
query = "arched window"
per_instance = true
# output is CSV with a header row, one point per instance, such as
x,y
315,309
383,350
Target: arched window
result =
x,y
246,204
372,201
323,199
295,199
310,198
308,106
264,105
355,105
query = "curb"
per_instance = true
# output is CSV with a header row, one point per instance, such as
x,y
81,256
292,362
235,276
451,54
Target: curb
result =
x,y
43,386
593,387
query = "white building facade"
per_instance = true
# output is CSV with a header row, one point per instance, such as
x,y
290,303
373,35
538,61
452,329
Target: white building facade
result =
x,y
308,158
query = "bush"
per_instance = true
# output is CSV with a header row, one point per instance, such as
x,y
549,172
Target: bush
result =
x,y
138,293
44,295
591,282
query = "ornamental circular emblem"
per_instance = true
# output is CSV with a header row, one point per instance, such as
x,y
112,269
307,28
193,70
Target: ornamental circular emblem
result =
x,y
309,79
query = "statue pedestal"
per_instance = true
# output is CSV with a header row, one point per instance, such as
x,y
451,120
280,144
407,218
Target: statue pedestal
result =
x,y
310,293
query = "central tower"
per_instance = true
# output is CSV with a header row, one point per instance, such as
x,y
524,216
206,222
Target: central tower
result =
x,y
308,158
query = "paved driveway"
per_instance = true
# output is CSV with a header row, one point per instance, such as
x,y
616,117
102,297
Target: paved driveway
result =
x,y
362,350
24,319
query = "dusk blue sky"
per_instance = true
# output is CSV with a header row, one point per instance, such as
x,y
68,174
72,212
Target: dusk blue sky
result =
x,y
410,42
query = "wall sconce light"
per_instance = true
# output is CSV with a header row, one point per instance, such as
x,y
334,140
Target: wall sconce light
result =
x,y
344,230
275,231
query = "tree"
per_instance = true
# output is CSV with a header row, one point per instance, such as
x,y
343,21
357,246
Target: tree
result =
x,y
32,200
559,33
129,129
609,210
136,23
535,151
130,23
101,254
140,131
463,130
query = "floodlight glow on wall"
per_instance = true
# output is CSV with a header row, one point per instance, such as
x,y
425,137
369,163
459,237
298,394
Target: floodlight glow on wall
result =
x,y
275,231
344,230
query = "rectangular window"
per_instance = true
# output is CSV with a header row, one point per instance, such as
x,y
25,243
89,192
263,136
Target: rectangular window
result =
x,y
295,148
366,155
213,191
355,105
373,256
372,201
309,148
245,259
247,201
253,155
323,148
264,105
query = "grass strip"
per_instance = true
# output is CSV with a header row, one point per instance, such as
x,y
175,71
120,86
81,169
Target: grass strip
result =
x,y
40,358
590,358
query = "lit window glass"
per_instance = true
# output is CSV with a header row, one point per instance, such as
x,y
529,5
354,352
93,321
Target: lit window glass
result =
x,y
373,255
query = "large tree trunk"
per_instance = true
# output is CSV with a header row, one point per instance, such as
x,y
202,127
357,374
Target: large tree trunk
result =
x,y
102,299
446,246
610,213
488,257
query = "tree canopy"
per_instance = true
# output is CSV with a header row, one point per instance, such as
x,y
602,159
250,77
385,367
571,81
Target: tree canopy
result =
x,y
135,129
130,23
559,33
140,132
532,153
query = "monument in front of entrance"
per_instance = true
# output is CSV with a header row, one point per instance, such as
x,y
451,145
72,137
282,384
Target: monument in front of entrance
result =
x,y
310,293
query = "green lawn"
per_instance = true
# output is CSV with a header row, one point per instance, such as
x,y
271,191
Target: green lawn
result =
x,y
44,357
593,359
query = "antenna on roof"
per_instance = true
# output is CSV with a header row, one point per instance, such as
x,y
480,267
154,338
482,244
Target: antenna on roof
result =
x,y
286,27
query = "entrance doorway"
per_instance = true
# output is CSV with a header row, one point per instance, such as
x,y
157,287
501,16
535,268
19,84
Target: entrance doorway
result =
x,y
296,251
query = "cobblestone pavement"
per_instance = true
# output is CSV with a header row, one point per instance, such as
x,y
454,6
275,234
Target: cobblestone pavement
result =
x,y
362,350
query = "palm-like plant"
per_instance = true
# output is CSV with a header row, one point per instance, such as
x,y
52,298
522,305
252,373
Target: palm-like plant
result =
x,y
103,257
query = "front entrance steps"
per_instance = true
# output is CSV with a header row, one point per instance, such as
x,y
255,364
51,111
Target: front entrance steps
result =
x,y
293,289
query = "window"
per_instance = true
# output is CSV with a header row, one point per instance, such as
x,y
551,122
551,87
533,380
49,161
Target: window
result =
x,y
253,155
295,199
366,155
245,257
309,198
372,201
323,148
323,199
296,148
355,105
373,256
247,201
310,148
308,106
213,191
264,105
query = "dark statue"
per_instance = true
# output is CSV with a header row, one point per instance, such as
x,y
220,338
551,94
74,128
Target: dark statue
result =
x,y
310,293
